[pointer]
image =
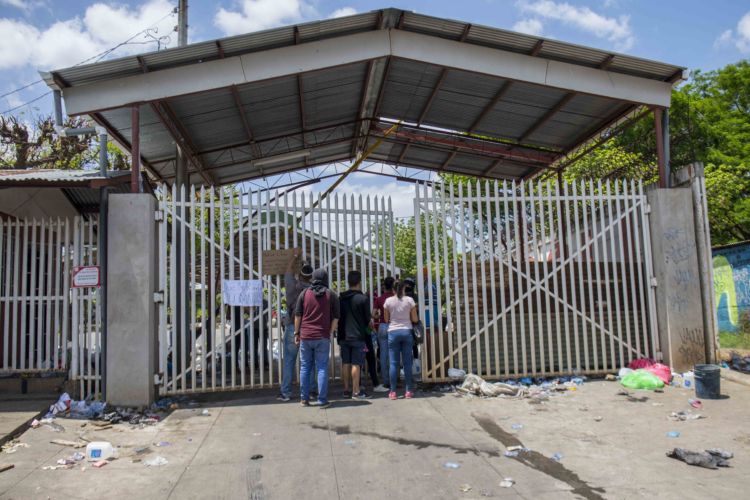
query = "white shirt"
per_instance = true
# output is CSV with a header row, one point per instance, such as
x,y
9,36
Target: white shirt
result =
x,y
400,312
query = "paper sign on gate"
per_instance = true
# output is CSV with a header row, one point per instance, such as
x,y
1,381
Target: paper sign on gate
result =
x,y
242,292
275,262
86,277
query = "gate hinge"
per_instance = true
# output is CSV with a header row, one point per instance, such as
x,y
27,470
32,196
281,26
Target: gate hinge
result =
x,y
647,209
659,356
157,379
159,215
159,297
654,283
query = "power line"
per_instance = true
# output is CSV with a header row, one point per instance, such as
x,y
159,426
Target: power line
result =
x,y
26,103
98,58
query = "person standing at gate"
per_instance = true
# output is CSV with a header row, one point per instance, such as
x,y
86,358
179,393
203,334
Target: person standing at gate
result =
x,y
316,317
353,329
382,331
400,314
294,287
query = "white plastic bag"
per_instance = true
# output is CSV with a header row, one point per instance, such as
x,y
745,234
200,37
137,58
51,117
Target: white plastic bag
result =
x,y
456,374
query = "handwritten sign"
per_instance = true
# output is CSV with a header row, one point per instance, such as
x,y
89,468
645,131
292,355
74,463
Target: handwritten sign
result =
x,y
277,261
242,292
86,277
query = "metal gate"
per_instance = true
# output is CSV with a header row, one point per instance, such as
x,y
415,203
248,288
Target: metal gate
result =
x,y
534,278
48,326
221,234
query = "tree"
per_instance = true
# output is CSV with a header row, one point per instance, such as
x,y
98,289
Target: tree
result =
x,y
36,144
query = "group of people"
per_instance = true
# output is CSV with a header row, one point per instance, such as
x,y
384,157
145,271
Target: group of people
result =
x,y
315,315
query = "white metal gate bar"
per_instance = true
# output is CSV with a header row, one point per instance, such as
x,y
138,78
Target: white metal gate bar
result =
x,y
545,279
222,235
46,325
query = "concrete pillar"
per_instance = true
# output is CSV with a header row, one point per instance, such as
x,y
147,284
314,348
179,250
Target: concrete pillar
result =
x,y
131,311
678,292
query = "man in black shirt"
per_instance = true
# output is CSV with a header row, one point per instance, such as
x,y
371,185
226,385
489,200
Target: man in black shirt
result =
x,y
352,329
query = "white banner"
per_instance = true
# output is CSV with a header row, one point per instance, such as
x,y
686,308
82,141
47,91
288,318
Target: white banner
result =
x,y
242,292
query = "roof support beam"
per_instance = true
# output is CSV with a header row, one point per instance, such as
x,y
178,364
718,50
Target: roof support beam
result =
x,y
547,116
124,144
428,104
491,105
178,133
448,160
245,123
338,51
492,167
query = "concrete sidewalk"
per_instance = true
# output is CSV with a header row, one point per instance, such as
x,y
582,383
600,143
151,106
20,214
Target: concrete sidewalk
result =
x,y
386,449
17,411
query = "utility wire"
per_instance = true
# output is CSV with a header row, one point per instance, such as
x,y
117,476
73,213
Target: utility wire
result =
x,y
98,57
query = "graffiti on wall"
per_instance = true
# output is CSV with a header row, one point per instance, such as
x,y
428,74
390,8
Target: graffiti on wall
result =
x,y
732,286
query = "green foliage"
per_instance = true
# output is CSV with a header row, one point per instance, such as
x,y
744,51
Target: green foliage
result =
x,y
709,122
405,246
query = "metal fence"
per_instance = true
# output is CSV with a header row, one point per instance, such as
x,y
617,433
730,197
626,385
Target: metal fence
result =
x,y
221,234
46,325
534,279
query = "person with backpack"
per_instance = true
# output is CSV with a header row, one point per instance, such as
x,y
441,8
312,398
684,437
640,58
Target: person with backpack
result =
x,y
316,316
401,315
294,286
353,329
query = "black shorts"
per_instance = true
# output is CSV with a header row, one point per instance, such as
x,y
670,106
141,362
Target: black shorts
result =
x,y
352,352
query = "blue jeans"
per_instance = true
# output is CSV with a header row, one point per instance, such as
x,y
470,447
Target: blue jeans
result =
x,y
383,351
290,359
399,346
317,352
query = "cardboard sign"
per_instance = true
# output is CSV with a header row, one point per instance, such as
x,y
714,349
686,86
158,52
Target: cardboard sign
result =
x,y
86,277
276,261
247,293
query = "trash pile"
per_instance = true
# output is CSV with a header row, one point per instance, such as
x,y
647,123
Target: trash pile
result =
x,y
740,363
66,407
538,390
709,459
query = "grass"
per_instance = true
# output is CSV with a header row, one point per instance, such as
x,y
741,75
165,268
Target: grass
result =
x,y
739,340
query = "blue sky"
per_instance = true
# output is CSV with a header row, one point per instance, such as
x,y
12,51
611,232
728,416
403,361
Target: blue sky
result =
x,y
50,34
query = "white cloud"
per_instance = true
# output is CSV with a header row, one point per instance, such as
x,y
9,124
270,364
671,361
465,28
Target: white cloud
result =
x,y
739,37
616,30
255,15
343,12
68,42
529,26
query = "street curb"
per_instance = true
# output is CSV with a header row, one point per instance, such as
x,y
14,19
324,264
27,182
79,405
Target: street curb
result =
x,y
734,376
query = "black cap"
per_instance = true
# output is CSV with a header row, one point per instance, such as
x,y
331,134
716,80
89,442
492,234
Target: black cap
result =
x,y
306,270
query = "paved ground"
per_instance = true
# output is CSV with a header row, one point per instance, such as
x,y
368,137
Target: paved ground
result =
x,y
385,449
15,411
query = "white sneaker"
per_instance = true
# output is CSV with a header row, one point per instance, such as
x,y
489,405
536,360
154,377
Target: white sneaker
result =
x,y
381,388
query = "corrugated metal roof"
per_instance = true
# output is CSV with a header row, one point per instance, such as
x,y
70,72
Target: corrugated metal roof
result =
x,y
409,21
51,175
252,129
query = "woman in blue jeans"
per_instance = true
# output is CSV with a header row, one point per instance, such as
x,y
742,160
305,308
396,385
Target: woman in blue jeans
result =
x,y
400,314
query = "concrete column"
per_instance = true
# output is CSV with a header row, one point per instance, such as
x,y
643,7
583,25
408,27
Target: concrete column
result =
x,y
678,292
131,311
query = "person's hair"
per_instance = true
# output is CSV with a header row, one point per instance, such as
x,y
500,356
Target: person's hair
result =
x,y
400,287
354,278
388,283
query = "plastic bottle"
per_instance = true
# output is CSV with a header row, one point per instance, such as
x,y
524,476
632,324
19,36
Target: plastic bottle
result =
x,y
688,380
99,450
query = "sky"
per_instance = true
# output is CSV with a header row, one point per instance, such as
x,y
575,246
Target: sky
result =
x,y
51,34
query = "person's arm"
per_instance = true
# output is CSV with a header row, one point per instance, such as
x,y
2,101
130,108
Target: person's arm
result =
x,y
414,316
386,315
335,312
298,307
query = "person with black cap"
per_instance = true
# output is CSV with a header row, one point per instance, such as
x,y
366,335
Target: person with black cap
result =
x,y
316,317
294,287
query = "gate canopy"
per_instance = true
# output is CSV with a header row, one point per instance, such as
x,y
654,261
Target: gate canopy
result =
x,y
471,99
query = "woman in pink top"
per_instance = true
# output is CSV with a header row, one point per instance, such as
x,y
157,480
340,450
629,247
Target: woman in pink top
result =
x,y
400,314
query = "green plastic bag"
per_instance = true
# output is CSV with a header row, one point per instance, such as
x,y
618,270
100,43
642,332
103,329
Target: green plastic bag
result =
x,y
642,379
